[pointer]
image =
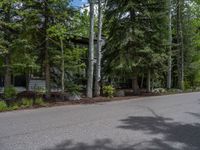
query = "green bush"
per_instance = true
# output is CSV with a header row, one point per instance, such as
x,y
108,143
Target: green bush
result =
x,y
109,91
187,85
73,89
40,90
26,102
14,107
174,91
3,106
10,92
39,102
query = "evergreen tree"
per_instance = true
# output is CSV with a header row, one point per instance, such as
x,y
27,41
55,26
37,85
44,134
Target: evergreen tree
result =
x,y
10,25
136,37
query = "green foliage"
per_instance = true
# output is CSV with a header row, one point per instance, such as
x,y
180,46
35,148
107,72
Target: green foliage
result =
x,y
39,102
109,91
187,85
26,103
3,106
10,92
73,89
174,90
134,43
40,90
135,32
14,107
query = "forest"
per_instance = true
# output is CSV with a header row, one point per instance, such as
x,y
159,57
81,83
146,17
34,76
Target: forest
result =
x,y
100,49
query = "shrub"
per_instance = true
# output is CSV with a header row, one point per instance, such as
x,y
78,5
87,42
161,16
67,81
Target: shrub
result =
x,y
26,102
197,89
14,107
26,94
3,106
39,102
187,85
73,89
109,91
40,90
175,91
10,92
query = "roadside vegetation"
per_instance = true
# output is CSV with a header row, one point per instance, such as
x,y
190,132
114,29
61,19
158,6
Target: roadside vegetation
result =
x,y
116,49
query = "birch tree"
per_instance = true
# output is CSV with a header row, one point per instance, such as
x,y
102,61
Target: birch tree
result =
x,y
98,52
90,69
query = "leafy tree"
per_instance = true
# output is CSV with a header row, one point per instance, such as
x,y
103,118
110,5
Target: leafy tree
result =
x,y
10,24
138,38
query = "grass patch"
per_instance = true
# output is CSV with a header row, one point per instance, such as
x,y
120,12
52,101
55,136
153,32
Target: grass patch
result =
x,y
39,102
26,103
3,106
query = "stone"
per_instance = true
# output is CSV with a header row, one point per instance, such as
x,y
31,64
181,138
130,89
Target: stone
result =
x,y
120,93
74,97
189,90
179,91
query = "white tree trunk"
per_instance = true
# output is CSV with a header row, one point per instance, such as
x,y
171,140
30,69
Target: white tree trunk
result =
x,y
98,52
90,69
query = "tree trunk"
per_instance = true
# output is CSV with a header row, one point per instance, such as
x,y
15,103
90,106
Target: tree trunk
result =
x,y
7,79
149,81
47,66
47,69
98,53
62,67
27,79
169,76
142,82
135,86
90,70
180,4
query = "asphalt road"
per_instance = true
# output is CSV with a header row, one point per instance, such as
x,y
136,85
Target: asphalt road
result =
x,y
155,123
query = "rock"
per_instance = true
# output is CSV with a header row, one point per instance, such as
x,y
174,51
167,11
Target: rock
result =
x,y
74,97
179,91
189,90
159,90
197,89
128,92
120,93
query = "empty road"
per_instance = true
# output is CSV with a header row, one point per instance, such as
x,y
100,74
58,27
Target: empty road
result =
x,y
154,123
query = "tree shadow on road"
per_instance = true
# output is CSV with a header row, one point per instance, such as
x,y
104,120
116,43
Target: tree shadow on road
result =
x,y
197,115
107,144
188,135
103,144
175,136
174,133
